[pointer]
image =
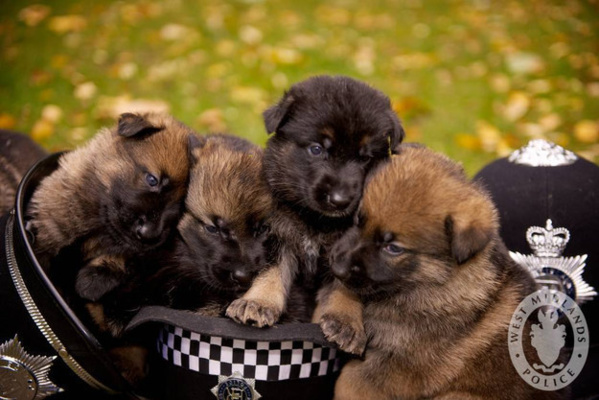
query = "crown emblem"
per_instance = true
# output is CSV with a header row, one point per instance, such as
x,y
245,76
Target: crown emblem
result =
x,y
548,241
549,268
541,153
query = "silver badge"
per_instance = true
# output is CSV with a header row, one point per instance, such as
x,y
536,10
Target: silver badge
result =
x,y
541,153
549,268
235,387
23,376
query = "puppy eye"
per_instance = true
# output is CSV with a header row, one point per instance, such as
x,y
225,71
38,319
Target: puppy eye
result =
x,y
261,229
211,229
393,249
151,180
315,150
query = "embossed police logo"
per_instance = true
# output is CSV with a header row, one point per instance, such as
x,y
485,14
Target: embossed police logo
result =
x,y
23,376
549,268
548,339
235,387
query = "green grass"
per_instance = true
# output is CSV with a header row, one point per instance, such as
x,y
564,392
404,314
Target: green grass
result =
x,y
473,79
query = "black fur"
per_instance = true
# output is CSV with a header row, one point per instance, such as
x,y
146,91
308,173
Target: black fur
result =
x,y
352,123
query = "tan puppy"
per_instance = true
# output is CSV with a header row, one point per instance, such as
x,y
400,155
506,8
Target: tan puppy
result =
x,y
119,196
437,284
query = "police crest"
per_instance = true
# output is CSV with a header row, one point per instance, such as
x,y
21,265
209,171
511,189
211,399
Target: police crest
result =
x,y
235,387
22,375
549,268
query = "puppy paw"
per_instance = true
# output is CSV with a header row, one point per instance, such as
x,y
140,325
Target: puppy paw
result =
x,y
253,312
348,335
92,283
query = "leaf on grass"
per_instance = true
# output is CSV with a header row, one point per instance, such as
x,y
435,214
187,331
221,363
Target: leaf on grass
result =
x,y
67,23
212,120
34,14
85,91
587,131
52,113
112,107
7,121
516,107
524,63
42,129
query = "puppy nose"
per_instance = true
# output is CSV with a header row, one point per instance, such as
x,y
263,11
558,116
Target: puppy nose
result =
x,y
339,198
147,232
241,276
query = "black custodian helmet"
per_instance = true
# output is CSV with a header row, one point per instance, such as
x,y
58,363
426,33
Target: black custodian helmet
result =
x,y
548,203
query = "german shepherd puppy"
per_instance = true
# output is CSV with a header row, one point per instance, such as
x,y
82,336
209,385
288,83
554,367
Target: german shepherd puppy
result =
x,y
17,154
116,198
328,133
437,284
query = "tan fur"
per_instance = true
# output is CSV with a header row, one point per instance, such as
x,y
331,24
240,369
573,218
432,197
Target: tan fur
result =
x,y
443,333
58,215
215,189
263,303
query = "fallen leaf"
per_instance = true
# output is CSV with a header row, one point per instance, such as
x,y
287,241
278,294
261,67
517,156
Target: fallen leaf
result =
x,y
52,113
7,121
250,34
524,63
85,91
67,23
42,129
212,120
112,107
516,107
586,131
34,14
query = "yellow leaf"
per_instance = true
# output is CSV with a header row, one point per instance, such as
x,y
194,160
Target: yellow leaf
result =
x,y
34,14
468,142
587,131
42,129
52,113
67,23
517,105
7,121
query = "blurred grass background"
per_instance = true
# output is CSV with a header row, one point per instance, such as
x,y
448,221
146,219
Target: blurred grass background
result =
x,y
474,79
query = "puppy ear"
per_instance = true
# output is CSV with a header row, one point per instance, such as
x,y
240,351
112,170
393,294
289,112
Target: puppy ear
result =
x,y
468,235
397,133
276,116
135,125
195,143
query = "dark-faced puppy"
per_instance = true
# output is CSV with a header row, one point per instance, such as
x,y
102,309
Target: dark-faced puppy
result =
x,y
17,154
329,132
437,284
118,197
224,238
224,235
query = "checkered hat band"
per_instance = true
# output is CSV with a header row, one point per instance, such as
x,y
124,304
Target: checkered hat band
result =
x,y
263,361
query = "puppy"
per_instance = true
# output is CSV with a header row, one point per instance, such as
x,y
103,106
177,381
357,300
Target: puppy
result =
x,y
118,197
17,154
437,284
329,132
224,236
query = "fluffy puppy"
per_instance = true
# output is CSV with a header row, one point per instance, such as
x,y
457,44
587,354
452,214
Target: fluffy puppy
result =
x,y
17,154
438,287
117,197
328,133
224,235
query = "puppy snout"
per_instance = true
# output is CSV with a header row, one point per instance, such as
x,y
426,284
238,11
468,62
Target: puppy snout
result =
x,y
241,276
147,231
340,198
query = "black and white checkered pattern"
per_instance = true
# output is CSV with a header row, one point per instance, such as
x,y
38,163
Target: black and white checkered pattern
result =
x,y
263,361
